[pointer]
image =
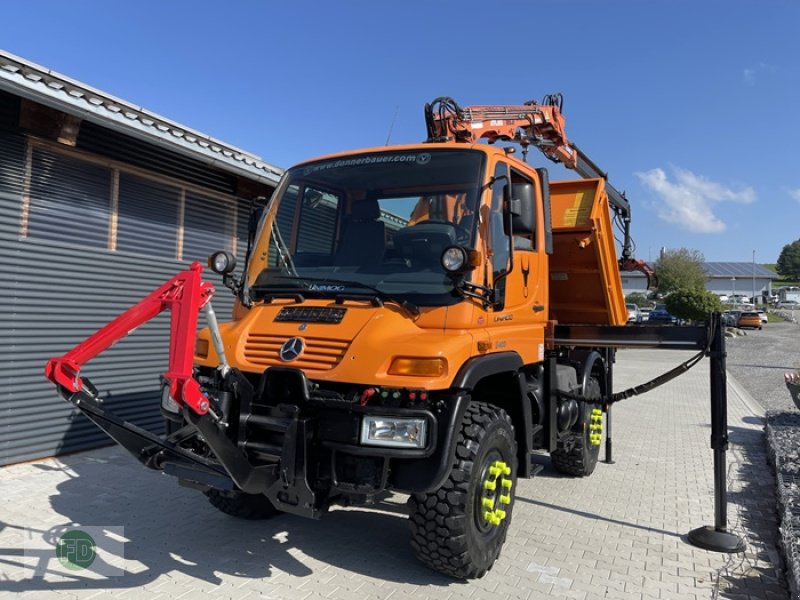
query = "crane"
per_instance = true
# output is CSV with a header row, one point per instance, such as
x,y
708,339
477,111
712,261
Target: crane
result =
x,y
539,124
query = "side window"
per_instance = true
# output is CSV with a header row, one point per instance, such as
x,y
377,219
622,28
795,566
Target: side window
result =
x,y
69,200
522,242
148,217
317,227
498,240
208,226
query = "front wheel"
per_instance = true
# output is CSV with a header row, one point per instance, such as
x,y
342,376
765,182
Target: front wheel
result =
x,y
460,529
241,505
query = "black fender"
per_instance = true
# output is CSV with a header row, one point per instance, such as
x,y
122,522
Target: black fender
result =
x,y
479,367
424,475
591,362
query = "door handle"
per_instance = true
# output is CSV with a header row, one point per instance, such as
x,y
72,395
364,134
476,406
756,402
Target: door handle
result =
x,y
538,307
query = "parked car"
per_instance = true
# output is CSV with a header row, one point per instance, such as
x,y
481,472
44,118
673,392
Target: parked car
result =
x,y
790,304
750,318
763,315
730,318
660,314
634,314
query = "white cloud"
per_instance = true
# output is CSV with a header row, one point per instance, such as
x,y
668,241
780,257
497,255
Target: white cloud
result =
x,y
794,194
751,74
688,200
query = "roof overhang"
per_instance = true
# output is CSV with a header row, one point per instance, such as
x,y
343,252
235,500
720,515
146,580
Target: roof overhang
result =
x,y
36,83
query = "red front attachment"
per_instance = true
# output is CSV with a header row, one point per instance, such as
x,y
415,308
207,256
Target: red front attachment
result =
x,y
184,295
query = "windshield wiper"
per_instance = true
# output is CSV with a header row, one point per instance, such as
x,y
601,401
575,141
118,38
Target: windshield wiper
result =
x,y
411,308
321,286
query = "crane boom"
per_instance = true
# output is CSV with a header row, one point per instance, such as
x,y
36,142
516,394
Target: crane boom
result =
x,y
530,124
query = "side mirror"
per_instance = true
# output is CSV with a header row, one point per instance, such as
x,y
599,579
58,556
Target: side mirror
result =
x,y
522,209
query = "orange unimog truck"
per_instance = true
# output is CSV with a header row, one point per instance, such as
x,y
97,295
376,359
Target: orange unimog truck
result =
x,y
394,331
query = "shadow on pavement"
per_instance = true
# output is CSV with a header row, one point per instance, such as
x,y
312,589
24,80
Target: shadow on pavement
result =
x,y
170,529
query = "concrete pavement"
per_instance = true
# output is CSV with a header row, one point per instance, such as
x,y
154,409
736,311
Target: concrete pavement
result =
x,y
620,534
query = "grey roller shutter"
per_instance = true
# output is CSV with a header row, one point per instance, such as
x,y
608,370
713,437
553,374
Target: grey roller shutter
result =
x,y
65,276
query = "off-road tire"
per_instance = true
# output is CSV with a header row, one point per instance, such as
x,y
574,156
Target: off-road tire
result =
x,y
448,530
241,505
575,455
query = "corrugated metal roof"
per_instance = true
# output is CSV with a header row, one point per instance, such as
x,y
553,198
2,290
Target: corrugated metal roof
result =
x,y
738,269
725,270
42,85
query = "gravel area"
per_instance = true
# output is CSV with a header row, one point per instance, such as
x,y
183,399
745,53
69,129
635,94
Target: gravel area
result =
x,y
758,361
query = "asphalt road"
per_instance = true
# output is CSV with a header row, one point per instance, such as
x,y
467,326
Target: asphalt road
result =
x,y
759,360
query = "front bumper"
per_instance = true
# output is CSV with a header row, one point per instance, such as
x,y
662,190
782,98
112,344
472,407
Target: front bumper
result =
x,y
302,458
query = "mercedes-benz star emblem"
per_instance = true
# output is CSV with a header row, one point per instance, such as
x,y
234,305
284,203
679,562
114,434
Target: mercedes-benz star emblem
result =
x,y
291,349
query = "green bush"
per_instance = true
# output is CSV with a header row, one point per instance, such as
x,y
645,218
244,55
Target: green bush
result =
x,y
692,304
638,298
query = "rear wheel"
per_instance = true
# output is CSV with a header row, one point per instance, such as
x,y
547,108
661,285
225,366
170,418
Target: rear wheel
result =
x,y
577,453
460,529
241,505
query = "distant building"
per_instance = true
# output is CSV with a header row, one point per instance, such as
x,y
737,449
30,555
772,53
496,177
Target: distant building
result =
x,y
724,279
101,201
788,294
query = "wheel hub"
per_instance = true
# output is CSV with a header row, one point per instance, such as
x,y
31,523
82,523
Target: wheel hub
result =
x,y
495,493
596,427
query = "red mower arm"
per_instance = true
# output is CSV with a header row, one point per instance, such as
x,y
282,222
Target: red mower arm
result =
x,y
184,295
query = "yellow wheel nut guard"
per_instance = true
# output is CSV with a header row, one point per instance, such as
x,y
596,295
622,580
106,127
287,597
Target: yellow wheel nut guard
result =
x,y
596,427
494,504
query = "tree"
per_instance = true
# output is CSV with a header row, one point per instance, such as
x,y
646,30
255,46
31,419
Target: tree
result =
x,y
638,298
693,304
789,261
680,269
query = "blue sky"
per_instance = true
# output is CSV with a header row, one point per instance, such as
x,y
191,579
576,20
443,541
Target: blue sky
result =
x,y
691,106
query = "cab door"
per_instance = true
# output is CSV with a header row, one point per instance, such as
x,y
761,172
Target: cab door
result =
x,y
518,320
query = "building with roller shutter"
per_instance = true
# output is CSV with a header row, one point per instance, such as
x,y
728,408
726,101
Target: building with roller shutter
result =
x,y
101,201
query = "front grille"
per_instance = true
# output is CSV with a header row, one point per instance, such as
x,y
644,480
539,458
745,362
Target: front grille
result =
x,y
319,354
311,314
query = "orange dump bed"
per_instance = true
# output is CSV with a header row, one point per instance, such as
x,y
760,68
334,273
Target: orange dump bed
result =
x,y
585,286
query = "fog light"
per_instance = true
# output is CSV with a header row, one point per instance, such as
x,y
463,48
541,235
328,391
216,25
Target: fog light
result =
x,y
222,262
394,432
454,259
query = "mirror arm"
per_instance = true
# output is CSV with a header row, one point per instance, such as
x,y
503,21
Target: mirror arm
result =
x,y
478,292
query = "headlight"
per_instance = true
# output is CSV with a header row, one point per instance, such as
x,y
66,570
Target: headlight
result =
x,y
222,262
394,432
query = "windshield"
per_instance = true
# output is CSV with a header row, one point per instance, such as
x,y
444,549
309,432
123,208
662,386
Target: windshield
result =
x,y
373,223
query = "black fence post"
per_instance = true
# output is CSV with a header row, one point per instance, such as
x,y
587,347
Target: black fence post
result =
x,y
718,538
610,359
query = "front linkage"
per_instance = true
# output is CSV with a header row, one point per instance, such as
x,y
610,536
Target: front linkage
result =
x,y
228,467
